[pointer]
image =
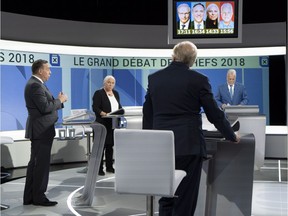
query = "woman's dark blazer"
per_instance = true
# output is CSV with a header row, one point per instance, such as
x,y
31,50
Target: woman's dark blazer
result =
x,y
101,103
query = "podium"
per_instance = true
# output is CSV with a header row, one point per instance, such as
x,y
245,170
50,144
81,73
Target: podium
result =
x,y
226,186
251,121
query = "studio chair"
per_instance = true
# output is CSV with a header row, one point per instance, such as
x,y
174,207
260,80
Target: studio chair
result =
x,y
145,164
5,140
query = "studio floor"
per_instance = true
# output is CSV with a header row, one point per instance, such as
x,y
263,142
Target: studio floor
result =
x,y
270,192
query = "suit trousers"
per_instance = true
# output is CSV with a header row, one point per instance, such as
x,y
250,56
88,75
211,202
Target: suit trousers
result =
x,y
37,174
185,200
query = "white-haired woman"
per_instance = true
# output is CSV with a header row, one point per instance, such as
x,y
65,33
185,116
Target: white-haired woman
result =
x,y
106,100
212,16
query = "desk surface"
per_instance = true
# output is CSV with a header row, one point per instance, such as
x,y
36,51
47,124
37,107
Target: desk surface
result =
x,y
271,130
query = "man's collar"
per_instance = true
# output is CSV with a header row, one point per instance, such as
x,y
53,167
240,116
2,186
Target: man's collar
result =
x,y
38,78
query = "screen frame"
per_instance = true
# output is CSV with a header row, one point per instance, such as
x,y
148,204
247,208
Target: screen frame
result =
x,y
199,40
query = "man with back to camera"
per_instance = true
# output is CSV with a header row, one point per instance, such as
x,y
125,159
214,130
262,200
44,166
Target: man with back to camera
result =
x,y
183,11
232,92
174,98
198,12
40,129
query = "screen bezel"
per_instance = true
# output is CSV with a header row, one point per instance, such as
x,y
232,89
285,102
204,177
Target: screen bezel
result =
x,y
198,39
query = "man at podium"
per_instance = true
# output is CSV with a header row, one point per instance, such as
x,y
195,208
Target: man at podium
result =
x,y
232,92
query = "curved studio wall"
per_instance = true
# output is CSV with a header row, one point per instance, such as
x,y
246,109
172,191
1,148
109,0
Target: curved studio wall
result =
x,y
92,50
24,28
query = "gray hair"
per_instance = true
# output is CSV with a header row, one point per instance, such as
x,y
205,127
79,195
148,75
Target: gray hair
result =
x,y
228,6
183,5
107,78
185,52
231,71
213,5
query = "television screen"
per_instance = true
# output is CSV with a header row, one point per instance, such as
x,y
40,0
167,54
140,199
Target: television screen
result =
x,y
201,21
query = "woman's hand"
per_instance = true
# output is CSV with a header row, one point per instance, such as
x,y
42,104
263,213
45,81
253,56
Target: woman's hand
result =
x,y
102,113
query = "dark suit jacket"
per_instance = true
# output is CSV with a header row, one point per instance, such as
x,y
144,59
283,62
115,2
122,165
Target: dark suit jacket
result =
x,y
193,24
101,103
180,27
173,101
42,110
239,97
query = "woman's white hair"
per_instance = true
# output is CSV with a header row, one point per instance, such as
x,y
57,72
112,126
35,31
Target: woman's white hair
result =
x,y
107,78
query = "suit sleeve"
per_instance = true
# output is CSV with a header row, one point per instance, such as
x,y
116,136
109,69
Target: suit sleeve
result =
x,y
147,121
44,102
245,99
218,97
117,98
214,114
97,103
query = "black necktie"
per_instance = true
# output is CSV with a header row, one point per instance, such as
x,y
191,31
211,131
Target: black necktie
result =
x,y
183,26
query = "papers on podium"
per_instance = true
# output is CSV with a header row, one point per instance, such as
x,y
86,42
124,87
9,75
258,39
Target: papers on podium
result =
x,y
79,116
120,111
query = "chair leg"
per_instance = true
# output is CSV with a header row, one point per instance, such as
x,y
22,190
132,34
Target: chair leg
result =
x,y
4,206
150,205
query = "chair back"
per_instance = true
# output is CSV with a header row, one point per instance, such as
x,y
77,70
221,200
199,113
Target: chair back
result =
x,y
145,162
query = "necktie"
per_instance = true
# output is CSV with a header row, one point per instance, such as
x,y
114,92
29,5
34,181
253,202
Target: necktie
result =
x,y
231,91
199,25
183,26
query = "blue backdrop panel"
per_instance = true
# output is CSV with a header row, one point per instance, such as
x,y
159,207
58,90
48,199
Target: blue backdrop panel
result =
x,y
131,82
13,81
80,88
129,85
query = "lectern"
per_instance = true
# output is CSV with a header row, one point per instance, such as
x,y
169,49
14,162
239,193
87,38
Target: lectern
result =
x,y
227,178
251,121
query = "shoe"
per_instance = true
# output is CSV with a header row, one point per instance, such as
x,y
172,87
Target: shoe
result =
x,y
101,173
46,202
111,170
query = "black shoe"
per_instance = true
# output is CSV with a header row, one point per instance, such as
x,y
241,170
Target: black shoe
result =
x,y
46,203
111,170
101,173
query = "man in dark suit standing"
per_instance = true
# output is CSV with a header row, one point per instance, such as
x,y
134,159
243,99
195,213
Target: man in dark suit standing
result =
x,y
232,92
173,101
42,115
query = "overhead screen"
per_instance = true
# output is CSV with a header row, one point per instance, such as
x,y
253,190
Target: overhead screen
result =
x,y
209,22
